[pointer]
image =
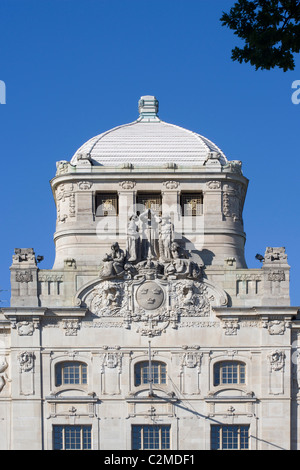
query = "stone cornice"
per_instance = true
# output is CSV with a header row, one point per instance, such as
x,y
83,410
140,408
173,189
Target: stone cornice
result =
x,y
254,312
38,312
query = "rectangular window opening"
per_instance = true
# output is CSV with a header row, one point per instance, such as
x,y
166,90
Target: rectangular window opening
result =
x,y
149,200
235,437
191,204
107,204
146,437
72,437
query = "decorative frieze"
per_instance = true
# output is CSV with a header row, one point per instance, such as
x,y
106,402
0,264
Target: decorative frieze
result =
x,y
50,277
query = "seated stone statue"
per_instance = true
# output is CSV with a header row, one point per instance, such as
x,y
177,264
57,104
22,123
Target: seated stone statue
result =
x,y
113,262
181,264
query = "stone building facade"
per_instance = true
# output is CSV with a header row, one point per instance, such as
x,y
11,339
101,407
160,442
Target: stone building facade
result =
x,y
149,331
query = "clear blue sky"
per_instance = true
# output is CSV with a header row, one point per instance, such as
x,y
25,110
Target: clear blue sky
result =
x,y
75,68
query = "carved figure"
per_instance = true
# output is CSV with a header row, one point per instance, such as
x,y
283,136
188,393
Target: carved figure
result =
x,y
133,239
26,361
277,254
113,262
276,359
181,264
166,237
108,299
3,375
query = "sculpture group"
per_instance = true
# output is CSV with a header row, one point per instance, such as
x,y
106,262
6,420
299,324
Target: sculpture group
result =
x,y
151,244
153,282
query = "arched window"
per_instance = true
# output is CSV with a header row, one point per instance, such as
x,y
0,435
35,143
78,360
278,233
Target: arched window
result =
x,y
142,373
70,373
229,372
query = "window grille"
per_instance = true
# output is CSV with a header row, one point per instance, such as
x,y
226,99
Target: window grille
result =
x,y
191,204
106,204
151,201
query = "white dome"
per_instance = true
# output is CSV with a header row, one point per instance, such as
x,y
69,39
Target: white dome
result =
x,y
148,141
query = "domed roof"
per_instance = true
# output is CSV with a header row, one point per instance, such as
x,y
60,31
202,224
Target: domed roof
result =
x,y
148,141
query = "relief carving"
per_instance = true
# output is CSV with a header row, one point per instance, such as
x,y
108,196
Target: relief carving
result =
x,y
84,185
213,184
3,376
151,283
232,201
171,184
26,361
275,255
190,369
24,255
24,276
111,370
25,328
191,298
62,167
65,201
276,360
231,327
276,276
127,184
276,327
71,327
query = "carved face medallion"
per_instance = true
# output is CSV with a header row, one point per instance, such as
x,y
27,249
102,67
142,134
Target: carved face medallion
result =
x,y
150,295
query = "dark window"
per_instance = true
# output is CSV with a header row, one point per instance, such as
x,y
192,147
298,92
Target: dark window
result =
x,y
106,204
150,437
72,437
191,204
151,201
229,437
229,372
70,373
142,373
